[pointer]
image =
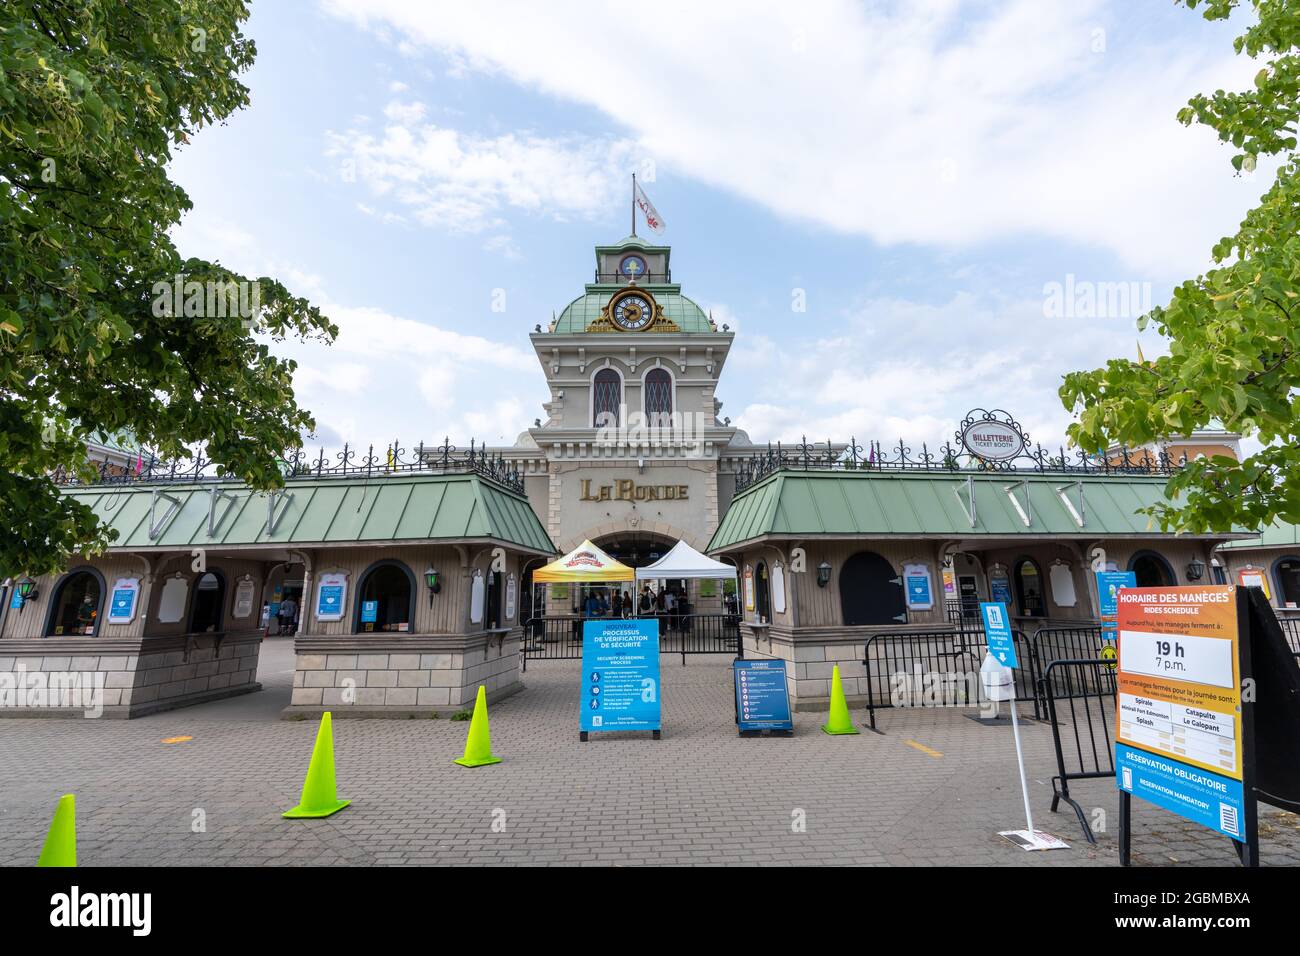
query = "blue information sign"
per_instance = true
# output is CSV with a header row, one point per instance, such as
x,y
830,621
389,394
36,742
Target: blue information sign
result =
x,y
620,676
1108,585
762,702
918,591
122,606
997,631
329,600
369,612
16,602
1001,588
1201,796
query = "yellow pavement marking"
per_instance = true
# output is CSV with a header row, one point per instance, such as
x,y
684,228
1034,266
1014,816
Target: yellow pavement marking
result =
x,y
176,740
923,748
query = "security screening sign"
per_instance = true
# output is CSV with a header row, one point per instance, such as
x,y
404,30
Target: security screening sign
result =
x,y
620,677
998,677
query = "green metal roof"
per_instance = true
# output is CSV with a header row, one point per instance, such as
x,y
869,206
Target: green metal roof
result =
x,y
884,504
1279,534
315,512
585,309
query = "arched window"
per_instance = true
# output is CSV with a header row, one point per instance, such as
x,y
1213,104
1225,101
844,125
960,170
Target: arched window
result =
x,y
206,608
385,598
1286,573
658,397
1029,589
77,603
1151,570
871,591
606,397
762,593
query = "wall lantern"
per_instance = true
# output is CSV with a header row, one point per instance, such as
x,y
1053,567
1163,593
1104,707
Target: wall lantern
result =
x,y
1195,569
27,591
823,574
432,583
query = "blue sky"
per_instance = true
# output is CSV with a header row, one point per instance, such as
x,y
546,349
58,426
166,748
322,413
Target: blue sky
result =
x,y
921,171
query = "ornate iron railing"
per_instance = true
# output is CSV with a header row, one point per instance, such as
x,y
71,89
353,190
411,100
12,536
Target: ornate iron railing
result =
x,y
851,456
298,464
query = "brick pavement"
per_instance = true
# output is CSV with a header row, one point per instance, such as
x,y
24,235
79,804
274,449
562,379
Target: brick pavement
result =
x,y
701,795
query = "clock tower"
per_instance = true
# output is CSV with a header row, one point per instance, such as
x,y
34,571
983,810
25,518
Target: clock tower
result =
x,y
631,451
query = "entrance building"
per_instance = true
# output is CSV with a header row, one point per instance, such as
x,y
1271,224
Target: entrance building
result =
x,y
404,575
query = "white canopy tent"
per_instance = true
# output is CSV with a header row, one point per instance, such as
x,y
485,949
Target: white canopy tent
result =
x,y
683,561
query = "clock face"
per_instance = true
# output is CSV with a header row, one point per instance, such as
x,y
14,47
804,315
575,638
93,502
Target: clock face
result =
x,y
633,312
632,267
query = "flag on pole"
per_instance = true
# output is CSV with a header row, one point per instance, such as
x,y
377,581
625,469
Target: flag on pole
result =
x,y
652,217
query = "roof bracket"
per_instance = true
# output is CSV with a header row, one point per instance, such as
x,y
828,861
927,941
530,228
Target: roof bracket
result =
x,y
1025,510
215,494
968,503
158,525
273,500
1080,513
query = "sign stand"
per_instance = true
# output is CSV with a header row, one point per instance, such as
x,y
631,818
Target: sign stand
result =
x,y
620,677
1267,702
762,699
998,677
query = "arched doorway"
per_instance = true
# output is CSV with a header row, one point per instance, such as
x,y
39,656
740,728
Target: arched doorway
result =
x,y
871,591
386,598
1286,575
78,601
1029,588
1151,570
209,600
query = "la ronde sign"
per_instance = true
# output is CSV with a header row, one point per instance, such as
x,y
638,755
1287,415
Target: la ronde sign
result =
x,y
992,440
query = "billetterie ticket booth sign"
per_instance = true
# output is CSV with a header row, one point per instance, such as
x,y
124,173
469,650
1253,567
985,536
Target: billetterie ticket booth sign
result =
x,y
620,677
1178,738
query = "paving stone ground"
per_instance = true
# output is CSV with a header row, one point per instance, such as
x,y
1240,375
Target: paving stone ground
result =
x,y
701,795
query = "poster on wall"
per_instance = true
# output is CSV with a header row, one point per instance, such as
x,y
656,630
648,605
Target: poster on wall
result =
x,y
122,600
476,599
171,605
1254,578
916,578
778,589
749,588
244,598
1178,730
511,596
1062,582
331,596
949,585
1000,588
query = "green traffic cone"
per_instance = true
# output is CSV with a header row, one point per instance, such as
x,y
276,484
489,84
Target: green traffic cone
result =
x,y
320,797
60,847
839,721
478,748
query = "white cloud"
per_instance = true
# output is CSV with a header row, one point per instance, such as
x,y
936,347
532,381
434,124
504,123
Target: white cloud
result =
x,y
464,183
938,122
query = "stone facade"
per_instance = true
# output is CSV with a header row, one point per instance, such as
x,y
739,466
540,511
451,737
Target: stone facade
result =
x,y
125,677
420,675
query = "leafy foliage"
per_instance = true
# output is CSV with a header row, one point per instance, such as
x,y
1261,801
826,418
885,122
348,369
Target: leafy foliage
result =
x,y
94,96
1234,332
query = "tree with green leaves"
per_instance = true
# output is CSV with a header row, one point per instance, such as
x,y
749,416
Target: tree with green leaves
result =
x,y
1233,332
104,328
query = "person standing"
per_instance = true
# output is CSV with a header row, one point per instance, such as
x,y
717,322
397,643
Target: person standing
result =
x,y
288,611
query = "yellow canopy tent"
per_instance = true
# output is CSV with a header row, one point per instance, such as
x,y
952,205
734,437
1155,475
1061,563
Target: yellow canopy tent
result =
x,y
585,564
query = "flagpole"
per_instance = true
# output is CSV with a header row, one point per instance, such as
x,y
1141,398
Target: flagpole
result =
x,y
634,204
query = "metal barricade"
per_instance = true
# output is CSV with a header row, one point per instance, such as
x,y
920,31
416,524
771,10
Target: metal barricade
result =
x,y
1080,694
